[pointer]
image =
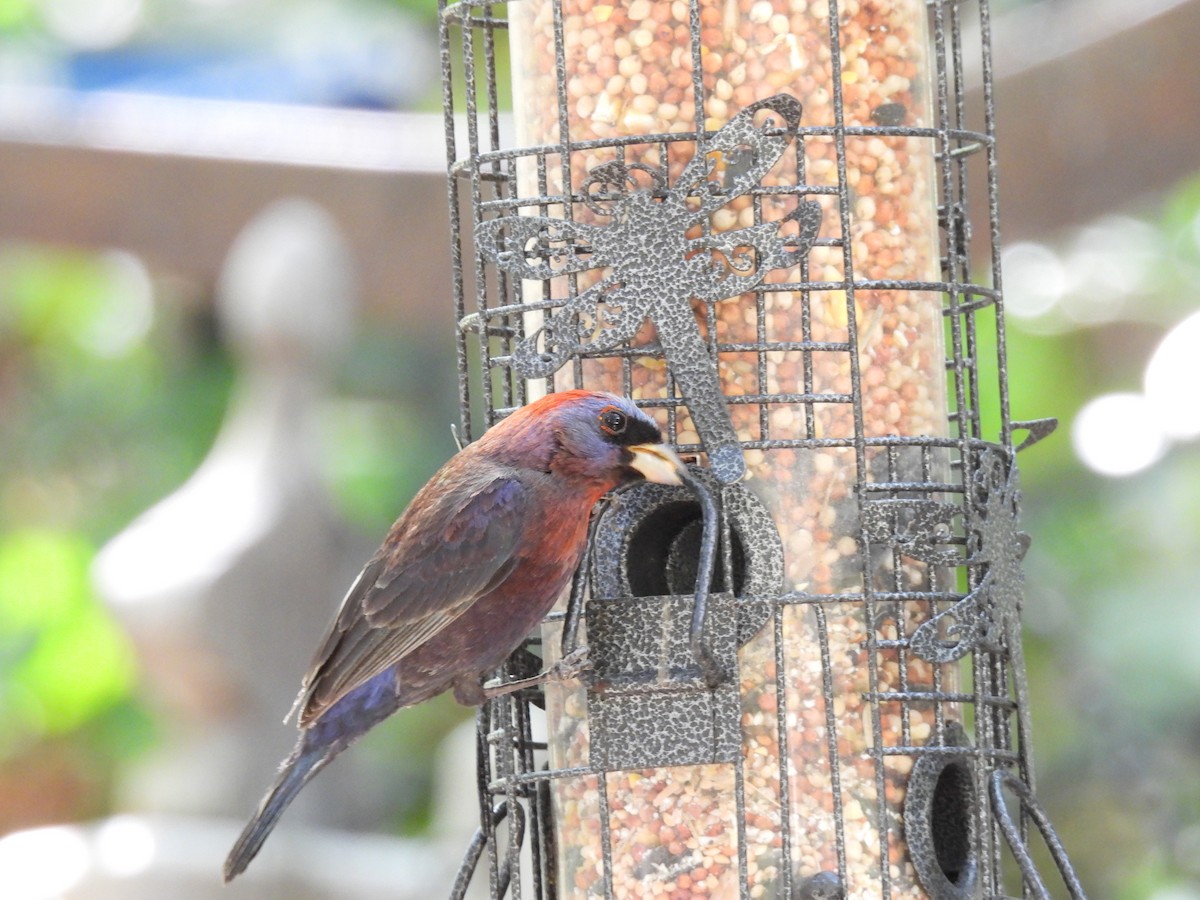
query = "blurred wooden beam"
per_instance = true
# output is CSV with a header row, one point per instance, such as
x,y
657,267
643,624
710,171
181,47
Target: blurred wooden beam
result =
x,y
1095,104
174,181
1093,100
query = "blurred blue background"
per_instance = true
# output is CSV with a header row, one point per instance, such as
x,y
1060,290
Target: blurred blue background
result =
x,y
114,383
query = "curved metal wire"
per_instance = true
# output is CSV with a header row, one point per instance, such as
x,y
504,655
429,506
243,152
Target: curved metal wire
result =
x,y
1020,849
476,846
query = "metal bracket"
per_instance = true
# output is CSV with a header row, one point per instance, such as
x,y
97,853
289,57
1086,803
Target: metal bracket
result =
x,y
1037,428
649,701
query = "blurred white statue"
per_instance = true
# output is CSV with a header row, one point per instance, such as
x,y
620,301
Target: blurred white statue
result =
x,y
226,584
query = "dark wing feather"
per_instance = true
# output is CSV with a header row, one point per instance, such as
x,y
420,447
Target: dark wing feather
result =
x,y
453,544
452,548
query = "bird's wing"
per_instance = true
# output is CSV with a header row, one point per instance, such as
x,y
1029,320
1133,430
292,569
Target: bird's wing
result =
x,y
449,550
446,553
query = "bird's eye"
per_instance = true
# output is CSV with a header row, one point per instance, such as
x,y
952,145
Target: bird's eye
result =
x,y
613,421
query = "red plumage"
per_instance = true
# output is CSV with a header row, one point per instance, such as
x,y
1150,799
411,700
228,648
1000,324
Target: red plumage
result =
x,y
466,572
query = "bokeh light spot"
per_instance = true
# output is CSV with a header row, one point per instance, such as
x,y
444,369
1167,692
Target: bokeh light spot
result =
x,y
1034,280
1118,434
1173,378
42,864
125,846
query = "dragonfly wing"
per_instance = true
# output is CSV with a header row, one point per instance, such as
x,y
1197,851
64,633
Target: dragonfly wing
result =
x,y
738,260
738,156
537,247
598,319
791,249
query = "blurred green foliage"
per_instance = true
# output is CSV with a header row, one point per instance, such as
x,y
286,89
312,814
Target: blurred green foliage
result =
x,y
65,661
106,407
112,388
16,14
1111,625
107,398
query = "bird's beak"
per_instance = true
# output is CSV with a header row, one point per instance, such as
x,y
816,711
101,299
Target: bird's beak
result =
x,y
657,463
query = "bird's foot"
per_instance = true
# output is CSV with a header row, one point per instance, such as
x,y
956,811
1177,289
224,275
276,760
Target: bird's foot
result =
x,y
468,691
570,666
710,667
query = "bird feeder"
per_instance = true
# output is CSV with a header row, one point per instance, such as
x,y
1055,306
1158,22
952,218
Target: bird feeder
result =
x,y
751,216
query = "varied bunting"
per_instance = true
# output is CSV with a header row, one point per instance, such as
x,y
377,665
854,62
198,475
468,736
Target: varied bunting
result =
x,y
465,574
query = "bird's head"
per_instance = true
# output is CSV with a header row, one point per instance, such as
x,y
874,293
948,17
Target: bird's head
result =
x,y
594,437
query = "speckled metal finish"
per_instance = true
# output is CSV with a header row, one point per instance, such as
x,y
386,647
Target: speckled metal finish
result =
x,y
986,616
648,703
574,257
939,819
656,270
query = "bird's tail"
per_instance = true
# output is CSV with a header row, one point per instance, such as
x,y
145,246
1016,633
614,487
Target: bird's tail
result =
x,y
295,773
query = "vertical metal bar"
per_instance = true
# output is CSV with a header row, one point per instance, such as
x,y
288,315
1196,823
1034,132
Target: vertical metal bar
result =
x,y
471,90
484,763
965,371
995,719
698,79
564,118
781,724
831,739
760,353
528,763
895,473
457,286
960,414
975,419
512,289
489,58
672,398
565,150
963,412
505,769
739,806
606,850
805,309
993,181
545,823
739,761
958,245
937,577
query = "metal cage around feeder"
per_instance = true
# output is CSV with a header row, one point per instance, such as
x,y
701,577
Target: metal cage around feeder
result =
x,y
751,216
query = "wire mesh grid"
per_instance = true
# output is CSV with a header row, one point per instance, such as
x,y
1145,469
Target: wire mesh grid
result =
x,y
837,335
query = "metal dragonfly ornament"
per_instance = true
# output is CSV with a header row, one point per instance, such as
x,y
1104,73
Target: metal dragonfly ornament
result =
x,y
655,270
986,617
922,529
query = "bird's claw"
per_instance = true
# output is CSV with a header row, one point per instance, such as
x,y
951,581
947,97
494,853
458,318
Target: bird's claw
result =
x,y
711,669
570,666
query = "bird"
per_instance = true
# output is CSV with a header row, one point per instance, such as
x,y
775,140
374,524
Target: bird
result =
x,y
468,570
